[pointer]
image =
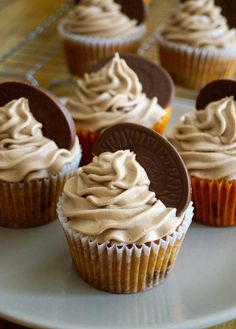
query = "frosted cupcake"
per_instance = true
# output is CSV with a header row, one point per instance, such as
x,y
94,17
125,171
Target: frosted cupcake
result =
x,y
33,169
122,238
96,29
114,94
196,45
206,141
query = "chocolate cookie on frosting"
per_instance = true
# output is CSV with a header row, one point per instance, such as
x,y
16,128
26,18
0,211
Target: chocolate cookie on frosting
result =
x,y
206,141
96,29
33,166
120,89
196,44
122,235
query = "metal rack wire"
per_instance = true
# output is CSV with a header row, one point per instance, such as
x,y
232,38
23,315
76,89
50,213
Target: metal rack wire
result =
x,y
38,57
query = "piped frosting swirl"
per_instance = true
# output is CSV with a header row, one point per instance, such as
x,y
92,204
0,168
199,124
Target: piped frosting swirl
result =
x,y
99,18
24,152
112,95
206,140
110,201
199,23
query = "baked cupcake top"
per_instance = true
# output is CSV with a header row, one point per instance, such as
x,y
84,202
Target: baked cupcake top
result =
x,y
112,95
199,23
99,18
24,152
110,201
206,140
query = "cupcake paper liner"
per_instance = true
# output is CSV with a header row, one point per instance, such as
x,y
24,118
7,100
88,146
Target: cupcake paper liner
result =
x,y
82,52
121,268
214,201
33,203
195,67
87,139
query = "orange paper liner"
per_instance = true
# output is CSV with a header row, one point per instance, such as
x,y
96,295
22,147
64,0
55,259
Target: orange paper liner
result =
x,y
124,268
214,201
87,139
161,126
195,67
83,52
33,203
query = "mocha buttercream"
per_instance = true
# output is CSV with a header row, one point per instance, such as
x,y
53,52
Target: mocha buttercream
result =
x,y
99,18
110,201
199,23
25,154
206,140
112,95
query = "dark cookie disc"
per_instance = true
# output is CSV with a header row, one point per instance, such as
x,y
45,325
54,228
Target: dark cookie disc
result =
x,y
165,169
56,120
215,91
134,9
155,80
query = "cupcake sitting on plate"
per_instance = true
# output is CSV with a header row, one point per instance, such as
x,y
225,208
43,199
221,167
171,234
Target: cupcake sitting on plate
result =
x,y
196,45
96,29
126,213
206,141
121,89
39,151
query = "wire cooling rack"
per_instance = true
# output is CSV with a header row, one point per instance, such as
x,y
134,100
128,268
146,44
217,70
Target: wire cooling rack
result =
x,y
38,58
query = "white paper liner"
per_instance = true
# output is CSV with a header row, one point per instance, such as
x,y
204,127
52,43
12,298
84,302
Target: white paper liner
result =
x,y
88,40
124,268
194,67
33,203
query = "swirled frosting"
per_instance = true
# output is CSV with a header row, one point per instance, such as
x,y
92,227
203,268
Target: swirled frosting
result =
x,y
99,18
199,23
24,152
206,140
110,96
110,201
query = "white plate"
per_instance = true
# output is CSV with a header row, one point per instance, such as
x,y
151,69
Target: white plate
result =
x,y
39,286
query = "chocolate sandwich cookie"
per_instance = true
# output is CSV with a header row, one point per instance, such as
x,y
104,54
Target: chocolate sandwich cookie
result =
x,y
56,120
165,169
215,91
155,80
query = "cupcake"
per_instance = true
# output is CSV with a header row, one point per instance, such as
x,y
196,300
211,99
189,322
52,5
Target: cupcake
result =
x,y
196,45
206,141
122,237
33,168
127,89
95,29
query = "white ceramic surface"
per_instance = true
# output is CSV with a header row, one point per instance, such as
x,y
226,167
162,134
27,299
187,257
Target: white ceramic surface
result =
x,y
39,286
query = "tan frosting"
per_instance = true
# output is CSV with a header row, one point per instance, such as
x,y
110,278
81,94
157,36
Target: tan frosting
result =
x,y
206,140
199,23
24,152
99,18
109,200
110,96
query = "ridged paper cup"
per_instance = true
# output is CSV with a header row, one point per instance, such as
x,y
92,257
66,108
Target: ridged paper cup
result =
x,y
121,268
87,138
195,67
214,201
28,204
82,52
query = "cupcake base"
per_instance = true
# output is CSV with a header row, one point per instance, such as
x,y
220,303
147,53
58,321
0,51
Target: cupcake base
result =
x,y
214,201
195,67
124,268
87,139
83,52
33,203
